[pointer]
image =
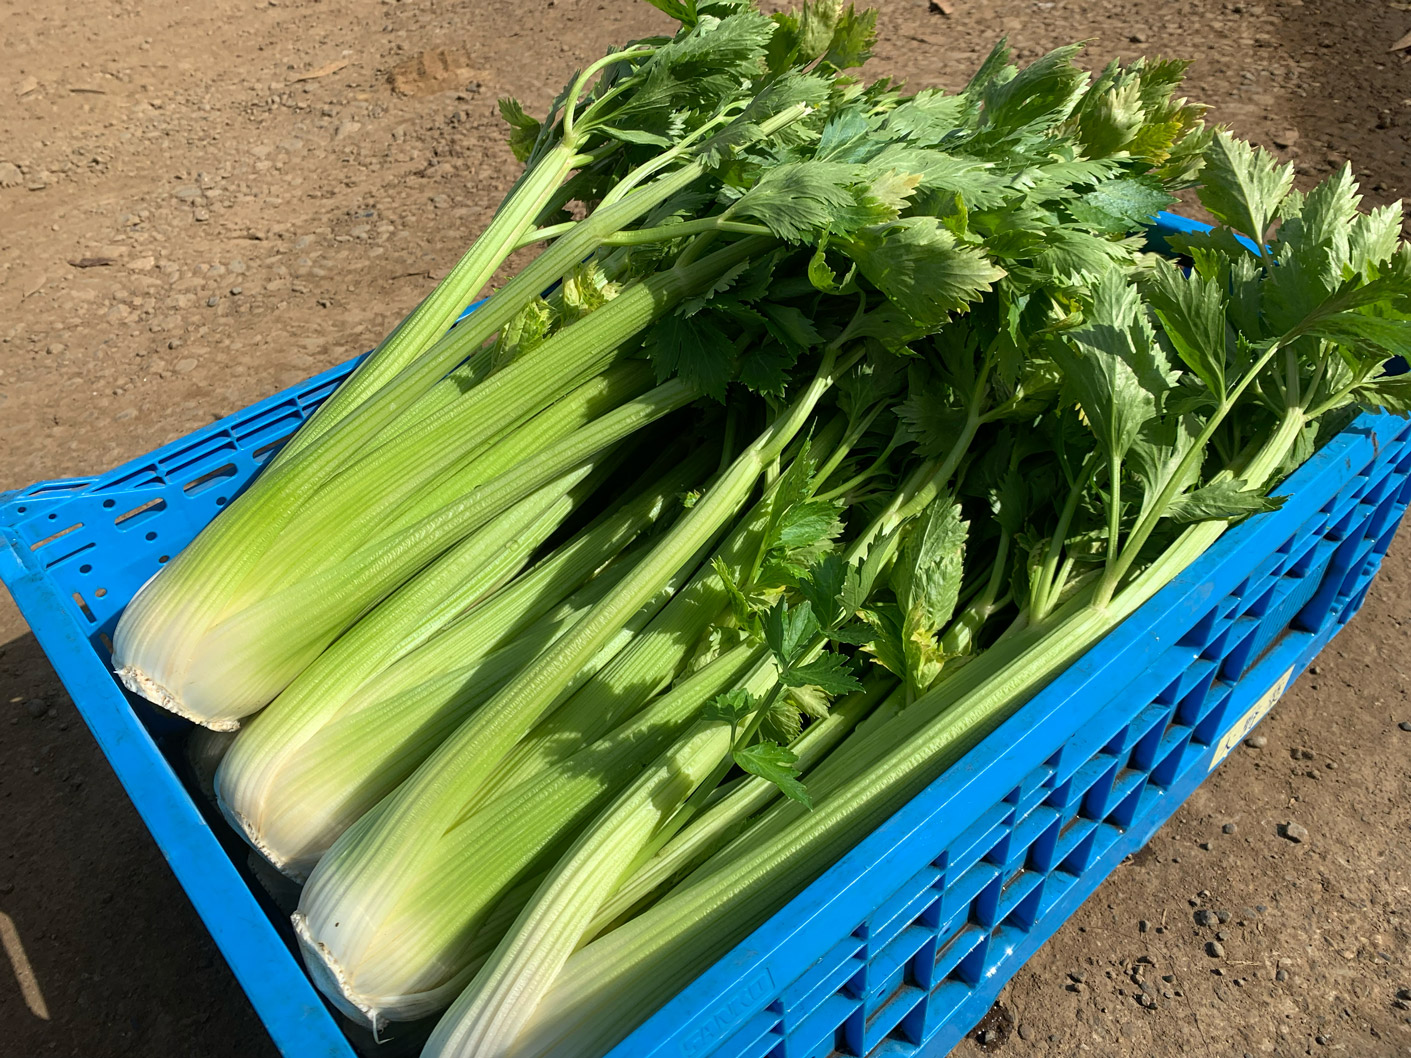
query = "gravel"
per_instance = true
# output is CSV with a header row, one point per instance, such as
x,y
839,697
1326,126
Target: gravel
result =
x,y
1295,832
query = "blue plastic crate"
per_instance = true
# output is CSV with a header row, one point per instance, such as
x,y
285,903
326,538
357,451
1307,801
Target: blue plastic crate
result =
x,y
902,946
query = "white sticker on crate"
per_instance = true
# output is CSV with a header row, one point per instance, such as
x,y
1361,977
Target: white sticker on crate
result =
x,y
1245,724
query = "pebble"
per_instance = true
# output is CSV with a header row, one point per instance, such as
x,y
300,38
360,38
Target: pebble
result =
x,y
185,364
1223,917
1222,935
6,888
1229,828
201,215
1295,832
1321,1041
36,707
10,175
1281,976
1256,742
1404,993
1143,925
1215,949
213,301
1023,1031
1405,725
1205,918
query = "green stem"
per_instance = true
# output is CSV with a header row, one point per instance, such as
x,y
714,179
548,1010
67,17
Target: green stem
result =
x,y
698,246
668,232
1192,459
581,83
628,185
529,238
700,798
1114,510
1040,601
429,320
927,484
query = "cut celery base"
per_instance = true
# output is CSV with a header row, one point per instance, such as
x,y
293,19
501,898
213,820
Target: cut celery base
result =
x,y
138,682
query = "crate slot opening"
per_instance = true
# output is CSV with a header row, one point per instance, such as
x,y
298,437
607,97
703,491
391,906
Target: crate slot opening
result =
x,y
82,604
150,509
209,479
270,446
50,539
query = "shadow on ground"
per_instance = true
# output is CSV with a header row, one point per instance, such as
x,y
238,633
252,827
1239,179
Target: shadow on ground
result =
x,y
119,962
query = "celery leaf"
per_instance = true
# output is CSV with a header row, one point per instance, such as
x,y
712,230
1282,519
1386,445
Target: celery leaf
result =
x,y
1243,185
774,763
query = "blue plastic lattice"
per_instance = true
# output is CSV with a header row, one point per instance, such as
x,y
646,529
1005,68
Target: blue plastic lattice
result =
x,y
903,945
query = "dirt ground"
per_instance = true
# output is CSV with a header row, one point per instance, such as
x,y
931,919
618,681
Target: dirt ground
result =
x,y
265,202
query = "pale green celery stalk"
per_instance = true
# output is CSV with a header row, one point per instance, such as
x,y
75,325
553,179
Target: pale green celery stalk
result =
x,y
436,443
560,257
171,612
720,822
371,869
610,985
390,725
161,635
598,547
337,524
430,319
419,954
410,616
486,1019
503,996
650,663
641,671
245,661
269,738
